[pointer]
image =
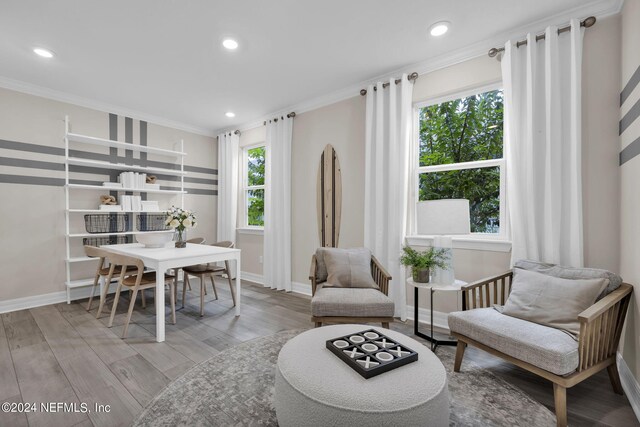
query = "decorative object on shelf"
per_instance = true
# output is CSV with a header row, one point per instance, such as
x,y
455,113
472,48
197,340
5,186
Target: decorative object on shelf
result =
x,y
108,200
422,262
151,222
106,223
151,179
180,219
441,219
150,206
370,352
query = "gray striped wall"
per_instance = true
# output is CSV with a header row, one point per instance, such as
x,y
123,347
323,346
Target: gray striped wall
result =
x,y
633,148
203,183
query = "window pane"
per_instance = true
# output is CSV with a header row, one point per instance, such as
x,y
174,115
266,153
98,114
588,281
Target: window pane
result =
x,y
255,207
462,130
255,166
481,186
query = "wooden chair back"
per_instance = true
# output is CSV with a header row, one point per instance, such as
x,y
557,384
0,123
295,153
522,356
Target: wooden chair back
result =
x,y
126,261
224,244
197,240
95,252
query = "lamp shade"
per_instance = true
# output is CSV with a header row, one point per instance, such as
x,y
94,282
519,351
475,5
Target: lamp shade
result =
x,y
443,217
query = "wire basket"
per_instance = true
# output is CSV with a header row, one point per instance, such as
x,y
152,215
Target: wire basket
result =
x,y
106,240
106,223
152,222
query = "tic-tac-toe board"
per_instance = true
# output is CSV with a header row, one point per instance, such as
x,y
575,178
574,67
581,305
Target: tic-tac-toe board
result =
x,y
371,353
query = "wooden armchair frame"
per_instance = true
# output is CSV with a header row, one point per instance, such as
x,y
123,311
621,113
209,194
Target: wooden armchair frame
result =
x,y
379,275
600,329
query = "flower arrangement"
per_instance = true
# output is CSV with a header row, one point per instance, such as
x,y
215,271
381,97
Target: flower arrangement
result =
x,y
180,219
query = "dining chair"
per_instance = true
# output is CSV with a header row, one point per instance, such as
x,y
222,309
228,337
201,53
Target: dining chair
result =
x,y
208,270
137,280
103,274
195,241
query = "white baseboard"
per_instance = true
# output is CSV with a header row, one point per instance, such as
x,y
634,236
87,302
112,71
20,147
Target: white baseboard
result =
x,y
44,299
630,385
297,287
424,316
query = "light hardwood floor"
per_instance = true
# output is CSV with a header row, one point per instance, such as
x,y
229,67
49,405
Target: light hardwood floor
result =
x,y
61,353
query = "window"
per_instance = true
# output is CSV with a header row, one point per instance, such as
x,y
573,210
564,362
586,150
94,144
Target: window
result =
x,y
253,187
460,156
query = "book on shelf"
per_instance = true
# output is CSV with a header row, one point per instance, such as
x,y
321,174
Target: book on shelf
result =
x,y
112,184
111,208
131,203
133,179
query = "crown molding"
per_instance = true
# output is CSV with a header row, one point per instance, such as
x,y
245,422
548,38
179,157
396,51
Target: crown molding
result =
x,y
597,8
41,91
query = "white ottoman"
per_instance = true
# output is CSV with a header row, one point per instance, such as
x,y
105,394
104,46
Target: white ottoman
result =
x,y
315,388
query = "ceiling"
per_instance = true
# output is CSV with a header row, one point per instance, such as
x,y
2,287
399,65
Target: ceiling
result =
x,y
164,59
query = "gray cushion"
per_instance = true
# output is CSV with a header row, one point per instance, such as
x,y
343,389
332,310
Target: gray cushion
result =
x,y
572,273
349,268
551,301
351,302
550,349
321,267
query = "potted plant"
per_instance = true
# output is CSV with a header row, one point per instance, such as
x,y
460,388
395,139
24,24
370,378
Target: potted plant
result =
x,y
180,219
421,262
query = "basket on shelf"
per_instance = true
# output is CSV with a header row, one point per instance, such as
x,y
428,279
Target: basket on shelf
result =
x,y
151,222
106,240
106,223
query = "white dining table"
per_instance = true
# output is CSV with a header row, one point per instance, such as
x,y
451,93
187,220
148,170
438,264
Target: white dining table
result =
x,y
162,259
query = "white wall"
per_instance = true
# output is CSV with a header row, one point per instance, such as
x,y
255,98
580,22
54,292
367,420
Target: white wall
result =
x,y
629,195
32,242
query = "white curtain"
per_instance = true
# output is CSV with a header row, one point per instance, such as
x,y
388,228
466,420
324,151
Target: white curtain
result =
x,y
387,179
542,85
228,164
277,205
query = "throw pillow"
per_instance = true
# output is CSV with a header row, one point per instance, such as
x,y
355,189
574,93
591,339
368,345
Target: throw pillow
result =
x,y
551,301
349,268
321,267
572,273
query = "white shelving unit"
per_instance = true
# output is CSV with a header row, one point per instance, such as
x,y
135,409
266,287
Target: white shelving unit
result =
x,y
72,238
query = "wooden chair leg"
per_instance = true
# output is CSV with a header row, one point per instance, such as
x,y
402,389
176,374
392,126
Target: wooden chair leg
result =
x,y
93,290
213,285
614,376
202,291
115,305
172,298
185,282
105,291
233,294
130,312
385,325
459,355
560,400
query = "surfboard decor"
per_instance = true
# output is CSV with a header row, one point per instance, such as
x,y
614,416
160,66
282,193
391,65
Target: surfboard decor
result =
x,y
329,198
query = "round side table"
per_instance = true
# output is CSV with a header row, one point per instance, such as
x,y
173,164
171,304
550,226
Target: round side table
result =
x,y
433,287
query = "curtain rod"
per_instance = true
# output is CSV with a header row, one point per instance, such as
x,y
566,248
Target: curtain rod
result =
x,y
289,116
235,132
410,77
587,22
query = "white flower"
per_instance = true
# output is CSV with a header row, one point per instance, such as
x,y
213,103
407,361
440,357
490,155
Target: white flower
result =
x,y
174,223
186,222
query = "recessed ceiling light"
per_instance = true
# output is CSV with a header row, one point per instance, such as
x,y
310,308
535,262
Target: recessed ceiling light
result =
x,y
230,44
43,52
439,28
230,114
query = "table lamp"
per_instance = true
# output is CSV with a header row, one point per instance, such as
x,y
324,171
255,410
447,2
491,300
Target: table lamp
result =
x,y
442,219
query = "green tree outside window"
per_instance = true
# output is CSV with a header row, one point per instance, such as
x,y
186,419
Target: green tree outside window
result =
x,y
255,177
464,130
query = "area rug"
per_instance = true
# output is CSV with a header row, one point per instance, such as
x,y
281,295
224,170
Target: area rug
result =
x,y
235,387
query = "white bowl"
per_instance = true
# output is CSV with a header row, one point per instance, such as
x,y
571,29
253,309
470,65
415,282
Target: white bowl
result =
x,y
156,239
